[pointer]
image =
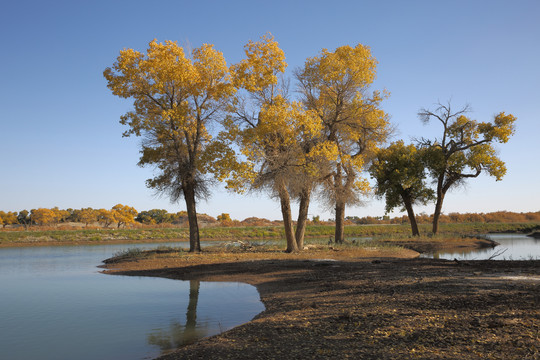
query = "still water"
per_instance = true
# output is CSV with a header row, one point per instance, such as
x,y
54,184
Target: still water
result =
x,y
512,247
54,304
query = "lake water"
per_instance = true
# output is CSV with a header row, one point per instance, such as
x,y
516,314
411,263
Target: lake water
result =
x,y
54,304
512,247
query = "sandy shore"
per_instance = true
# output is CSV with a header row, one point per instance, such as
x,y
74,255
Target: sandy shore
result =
x,y
366,306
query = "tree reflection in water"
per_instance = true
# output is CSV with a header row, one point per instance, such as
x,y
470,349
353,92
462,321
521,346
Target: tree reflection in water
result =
x,y
178,335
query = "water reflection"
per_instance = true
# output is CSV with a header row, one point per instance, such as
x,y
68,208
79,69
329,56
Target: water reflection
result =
x,y
178,335
511,247
56,297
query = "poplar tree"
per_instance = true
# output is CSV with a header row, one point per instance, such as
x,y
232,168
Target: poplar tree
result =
x,y
400,178
176,97
464,150
335,86
268,129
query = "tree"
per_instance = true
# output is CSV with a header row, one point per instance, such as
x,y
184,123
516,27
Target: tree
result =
x,y
224,219
8,218
88,216
105,217
60,215
154,216
123,214
399,174
267,128
464,151
42,216
24,218
144,217
335,86
176,98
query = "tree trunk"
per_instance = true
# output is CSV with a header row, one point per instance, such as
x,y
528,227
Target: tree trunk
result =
x,y
189,196
410,214
302,217
441,190
191,314
340,206
287,218
437,212
340,222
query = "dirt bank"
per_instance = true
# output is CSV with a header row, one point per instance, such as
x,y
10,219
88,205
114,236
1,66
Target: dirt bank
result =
x,y
433,245
367,308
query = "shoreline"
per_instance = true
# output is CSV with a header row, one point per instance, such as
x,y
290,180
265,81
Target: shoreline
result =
x,y
368,307
91,242
400,232
417,244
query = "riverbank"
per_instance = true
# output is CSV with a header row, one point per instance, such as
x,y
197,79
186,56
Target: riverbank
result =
x,y
364,304
60,237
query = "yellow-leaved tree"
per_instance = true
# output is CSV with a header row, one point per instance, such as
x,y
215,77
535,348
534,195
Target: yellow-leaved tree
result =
x,y
88,216
464,150
43,216
105,217
268,129
123,214
176,97
335,86
8,218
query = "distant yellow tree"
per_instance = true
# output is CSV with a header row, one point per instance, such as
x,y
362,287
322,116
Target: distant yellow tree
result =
x,y
60,215
105,217
8,218
88,216
224,219
335,85
43,216
123,214
176,98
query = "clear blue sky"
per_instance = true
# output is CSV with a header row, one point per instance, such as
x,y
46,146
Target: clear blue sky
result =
x,y
61,143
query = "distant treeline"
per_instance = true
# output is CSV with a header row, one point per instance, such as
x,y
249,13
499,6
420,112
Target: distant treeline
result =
x,y
126,216
493,217
119,216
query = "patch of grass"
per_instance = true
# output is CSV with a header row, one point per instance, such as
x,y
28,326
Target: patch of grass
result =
x,y
135,254
165,248
131,253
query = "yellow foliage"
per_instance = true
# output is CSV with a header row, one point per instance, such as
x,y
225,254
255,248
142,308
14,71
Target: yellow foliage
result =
x,y
8,218
123,214
334,86
346,64
43,216
105,217
501,129
270,141
175,98
262,66
88,215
